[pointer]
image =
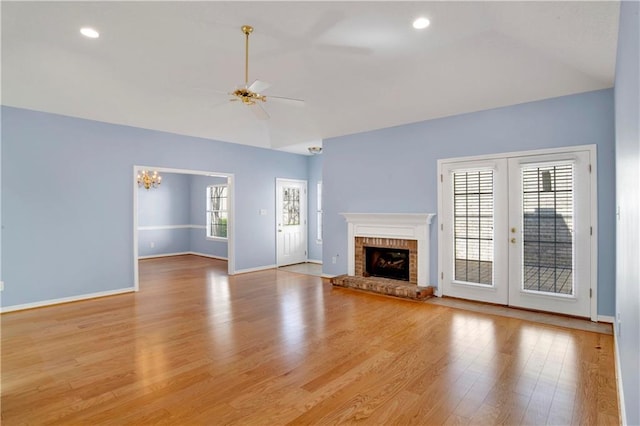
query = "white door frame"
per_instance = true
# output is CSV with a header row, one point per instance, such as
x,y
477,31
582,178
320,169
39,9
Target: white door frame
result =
x,y
593,203
231,259
305,217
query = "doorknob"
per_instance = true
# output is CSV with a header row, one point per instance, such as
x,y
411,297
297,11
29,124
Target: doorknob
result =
x,y
513,230
513,240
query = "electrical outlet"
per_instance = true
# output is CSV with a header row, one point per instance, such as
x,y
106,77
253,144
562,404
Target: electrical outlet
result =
x,y
152,244
334,259
1,285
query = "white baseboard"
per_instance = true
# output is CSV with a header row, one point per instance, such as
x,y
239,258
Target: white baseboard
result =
x,y
328,275
65,300
606,318
256,269
623,411
195,253
153,256
319,262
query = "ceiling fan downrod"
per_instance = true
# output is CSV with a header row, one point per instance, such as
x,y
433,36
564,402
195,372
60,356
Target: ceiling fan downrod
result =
x,y
246,29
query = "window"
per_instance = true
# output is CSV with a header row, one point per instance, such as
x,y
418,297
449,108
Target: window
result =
x,y
217,200
319,213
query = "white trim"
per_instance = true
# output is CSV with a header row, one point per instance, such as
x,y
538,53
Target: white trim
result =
x,y
606,318
319,262
153,256
593,194
51,302
183,253
616,352
328,275
195,253
161,227
408,226
256,269
543,151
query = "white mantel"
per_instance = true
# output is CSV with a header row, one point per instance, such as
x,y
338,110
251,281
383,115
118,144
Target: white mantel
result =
x,y
408,226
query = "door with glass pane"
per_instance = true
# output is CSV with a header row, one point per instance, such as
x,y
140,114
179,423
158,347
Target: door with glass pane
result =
x,y
517,231
474,214
550,233
291,221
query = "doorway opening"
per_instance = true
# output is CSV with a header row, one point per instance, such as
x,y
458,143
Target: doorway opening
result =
x,y
216,178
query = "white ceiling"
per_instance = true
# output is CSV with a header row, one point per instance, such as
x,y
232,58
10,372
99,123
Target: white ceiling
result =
x,y
358,65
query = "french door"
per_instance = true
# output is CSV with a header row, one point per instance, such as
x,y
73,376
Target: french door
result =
x,y
291,221
517,231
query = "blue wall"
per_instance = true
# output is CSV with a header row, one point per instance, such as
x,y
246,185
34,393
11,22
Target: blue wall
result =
x,y
178,205
314,176
394,169
627,118
68,229
166,205
198,217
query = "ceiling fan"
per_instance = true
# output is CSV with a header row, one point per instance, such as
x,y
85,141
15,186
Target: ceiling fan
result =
x,y
251,94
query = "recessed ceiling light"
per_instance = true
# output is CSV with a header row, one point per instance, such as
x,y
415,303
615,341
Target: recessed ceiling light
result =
x,y
421,23
89,32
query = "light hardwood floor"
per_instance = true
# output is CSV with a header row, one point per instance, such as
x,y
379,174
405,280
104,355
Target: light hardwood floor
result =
x,y
195,346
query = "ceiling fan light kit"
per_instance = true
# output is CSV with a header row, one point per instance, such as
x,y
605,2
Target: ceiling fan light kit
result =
x,y
250,94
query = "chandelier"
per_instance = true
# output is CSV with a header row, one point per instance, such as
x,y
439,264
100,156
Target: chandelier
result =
x,y
149,179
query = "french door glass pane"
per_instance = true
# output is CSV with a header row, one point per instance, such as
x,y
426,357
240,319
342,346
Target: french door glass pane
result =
x,y
473,226
547,194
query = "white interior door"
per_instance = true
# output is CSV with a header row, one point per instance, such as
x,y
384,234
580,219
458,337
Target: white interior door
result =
x,y
291,221
517,231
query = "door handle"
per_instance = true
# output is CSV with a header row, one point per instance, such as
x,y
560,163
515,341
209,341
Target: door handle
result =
x,y
513,240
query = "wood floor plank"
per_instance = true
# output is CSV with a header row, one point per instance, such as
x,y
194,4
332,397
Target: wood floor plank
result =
x,y
196,346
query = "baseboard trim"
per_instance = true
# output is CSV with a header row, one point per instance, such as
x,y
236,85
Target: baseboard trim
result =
x,y
153,256
606,318
328,275
195,253
256,269
318,262
51,302
623,411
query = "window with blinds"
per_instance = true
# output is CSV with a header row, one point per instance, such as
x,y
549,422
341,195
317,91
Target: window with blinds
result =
x,y
547,197
473,226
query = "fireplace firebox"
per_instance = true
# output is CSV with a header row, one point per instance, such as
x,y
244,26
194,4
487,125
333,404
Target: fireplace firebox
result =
x,y
387,263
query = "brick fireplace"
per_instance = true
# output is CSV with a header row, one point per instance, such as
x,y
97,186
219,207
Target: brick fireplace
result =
x,y
382,247
402,231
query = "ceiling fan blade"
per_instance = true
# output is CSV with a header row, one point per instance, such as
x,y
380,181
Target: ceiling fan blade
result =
x,y
290,101
259,86
258,111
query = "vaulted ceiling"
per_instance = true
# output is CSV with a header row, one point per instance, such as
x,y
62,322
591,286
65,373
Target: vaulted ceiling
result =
x,y
358,65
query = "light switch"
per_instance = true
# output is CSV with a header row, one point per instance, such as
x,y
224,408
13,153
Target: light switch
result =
x,y
262,212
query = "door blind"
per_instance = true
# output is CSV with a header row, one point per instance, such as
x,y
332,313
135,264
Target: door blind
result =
x,y
548,228
473,226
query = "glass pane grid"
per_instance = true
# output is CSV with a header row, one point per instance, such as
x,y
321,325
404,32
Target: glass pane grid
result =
x,y
548,229
290,206
217,211
473,226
